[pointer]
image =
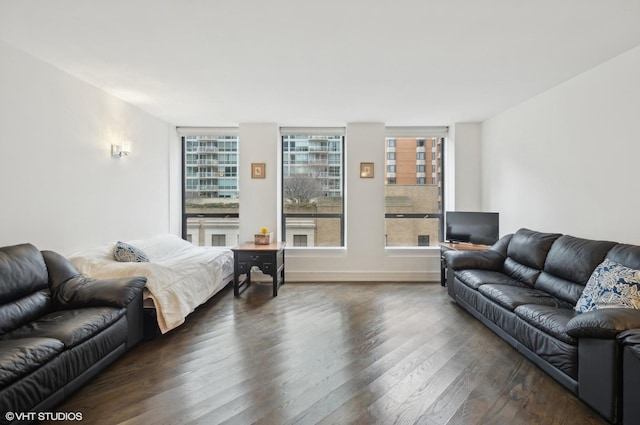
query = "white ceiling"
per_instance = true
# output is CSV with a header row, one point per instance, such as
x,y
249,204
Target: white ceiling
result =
x,y
298,62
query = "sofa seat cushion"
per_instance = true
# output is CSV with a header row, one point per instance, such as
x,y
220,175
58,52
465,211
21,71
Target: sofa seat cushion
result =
x,y
20,357
475,278
557,353
510,297
550,320
72,327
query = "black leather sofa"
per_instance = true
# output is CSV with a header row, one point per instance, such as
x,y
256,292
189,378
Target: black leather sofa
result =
x,y
525,288
57,328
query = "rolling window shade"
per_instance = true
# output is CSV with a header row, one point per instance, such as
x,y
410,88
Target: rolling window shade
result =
x,y
416,131
325,131
207,131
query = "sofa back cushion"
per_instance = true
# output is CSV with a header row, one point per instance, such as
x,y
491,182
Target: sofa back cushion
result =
x,y
569,265
24,286
560,288
526,254
627,255
575,259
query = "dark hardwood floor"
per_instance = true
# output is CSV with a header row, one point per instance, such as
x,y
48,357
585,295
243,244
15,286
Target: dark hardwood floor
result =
x,y
330,354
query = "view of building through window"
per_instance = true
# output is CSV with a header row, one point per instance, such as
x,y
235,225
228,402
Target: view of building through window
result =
x,y
312,189
211,197
413,191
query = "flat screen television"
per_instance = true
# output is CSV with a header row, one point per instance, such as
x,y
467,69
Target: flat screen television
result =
x,y
473,227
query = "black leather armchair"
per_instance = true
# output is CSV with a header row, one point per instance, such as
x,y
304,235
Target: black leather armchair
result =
x,y
58,328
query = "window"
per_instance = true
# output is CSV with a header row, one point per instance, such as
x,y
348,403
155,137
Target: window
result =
x,y
391,156
218,240
299,240
313,186
413,200
210,200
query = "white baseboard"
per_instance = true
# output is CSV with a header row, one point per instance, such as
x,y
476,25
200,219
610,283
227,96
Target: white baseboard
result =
x,y
362,276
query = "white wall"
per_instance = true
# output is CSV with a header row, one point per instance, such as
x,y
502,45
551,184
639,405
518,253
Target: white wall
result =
x,y
61,189
260,198
465,185
567,160
364,258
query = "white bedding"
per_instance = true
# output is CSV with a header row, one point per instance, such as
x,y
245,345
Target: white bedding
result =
x,y
180,276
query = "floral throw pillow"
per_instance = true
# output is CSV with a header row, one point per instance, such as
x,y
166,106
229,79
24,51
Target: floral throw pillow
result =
x,y
611,285
128,253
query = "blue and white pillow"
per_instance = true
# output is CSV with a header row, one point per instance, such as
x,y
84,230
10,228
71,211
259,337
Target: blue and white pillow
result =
x,y
611,285
127,253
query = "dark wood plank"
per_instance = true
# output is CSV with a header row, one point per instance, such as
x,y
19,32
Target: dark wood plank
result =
x,y
328,353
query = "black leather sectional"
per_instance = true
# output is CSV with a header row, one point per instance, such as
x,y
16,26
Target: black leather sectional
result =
x,y
525,289
57,328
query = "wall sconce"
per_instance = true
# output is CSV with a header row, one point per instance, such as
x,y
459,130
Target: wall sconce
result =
x,y
121,150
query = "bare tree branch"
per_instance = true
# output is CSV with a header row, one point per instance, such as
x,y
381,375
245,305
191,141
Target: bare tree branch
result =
x,y
301,188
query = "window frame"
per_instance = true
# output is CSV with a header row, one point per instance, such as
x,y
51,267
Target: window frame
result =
x,y
316,131
421,132
183,133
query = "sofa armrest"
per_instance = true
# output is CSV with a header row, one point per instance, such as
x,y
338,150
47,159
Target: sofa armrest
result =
x,y
59,269
80,291
630,337
70,289
484,260
605,323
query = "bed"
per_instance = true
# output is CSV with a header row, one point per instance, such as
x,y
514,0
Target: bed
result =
x,y
180,276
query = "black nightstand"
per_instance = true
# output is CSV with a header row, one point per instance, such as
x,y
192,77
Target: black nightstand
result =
x,y
268,258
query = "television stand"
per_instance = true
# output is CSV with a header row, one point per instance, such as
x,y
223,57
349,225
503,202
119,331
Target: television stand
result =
x,y
455,246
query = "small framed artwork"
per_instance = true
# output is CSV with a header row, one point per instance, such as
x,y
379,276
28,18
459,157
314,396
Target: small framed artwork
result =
x,y
366,170
257,170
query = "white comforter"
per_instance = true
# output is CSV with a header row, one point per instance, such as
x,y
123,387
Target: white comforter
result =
x,y
180,276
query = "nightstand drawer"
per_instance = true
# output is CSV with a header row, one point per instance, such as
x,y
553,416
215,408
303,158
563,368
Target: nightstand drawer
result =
x,y
267,268
256,259
243,267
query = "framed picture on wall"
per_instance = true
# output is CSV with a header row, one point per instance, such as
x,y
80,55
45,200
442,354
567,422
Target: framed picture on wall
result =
x,y
366,170
257,170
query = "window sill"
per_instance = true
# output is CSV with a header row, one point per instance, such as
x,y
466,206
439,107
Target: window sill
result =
x,y
298,251
411,251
